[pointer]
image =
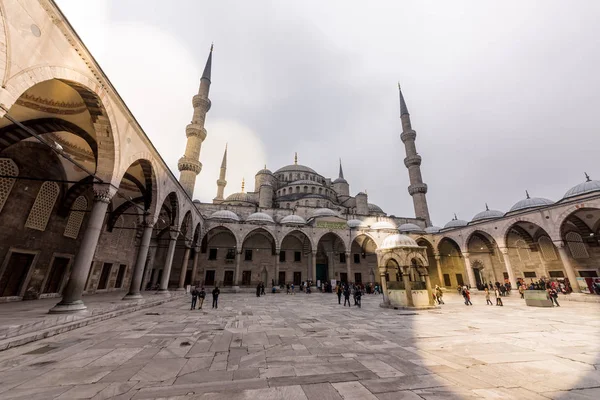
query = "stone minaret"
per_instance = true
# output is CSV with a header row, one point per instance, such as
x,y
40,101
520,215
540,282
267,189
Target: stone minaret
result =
x,y
417,188
190,165
221,182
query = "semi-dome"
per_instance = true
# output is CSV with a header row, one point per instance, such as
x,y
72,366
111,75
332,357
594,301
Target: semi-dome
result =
x,y
487,214
241,197
355,223
225,215
260,217
374,208
324,212
531,202
432,229
398,240
293,219
586,187
410,228
383,225
455,223
296,167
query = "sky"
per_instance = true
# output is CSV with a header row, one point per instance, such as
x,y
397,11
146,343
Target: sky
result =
x,y
503,95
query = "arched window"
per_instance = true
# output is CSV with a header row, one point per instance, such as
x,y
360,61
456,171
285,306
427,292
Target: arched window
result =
x,y
547,248
76,217
43,206
312,189
320,190
284,191
576,245
305,189
522,250
318,203
7,168
297,189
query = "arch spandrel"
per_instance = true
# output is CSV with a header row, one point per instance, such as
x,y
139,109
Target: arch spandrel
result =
x,y
285,233
507,225
264,231
563,215
321,235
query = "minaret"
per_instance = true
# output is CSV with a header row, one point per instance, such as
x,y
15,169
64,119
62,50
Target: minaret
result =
x,y
221,182
190,165
341,175
417,188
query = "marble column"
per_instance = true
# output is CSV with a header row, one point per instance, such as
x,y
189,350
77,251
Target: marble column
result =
x,y
509,270
384,288
429,289
568,267
184,267
140,263
164,279
438,263
149,264
314,268
276,278
348,269
408,287
73,291
195,265
470,273
236,274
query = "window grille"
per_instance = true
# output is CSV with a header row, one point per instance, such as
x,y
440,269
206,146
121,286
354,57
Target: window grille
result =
x,y
8,168
76,217
547,248
43,206
522,250
576,245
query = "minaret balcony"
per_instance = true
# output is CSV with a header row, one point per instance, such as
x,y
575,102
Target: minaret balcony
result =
x,y
412,160
187,164
201,102
221,182
408,135
195,130
417,188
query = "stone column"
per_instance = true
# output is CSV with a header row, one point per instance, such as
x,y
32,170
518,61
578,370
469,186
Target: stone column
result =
x,y
276,278
438,262
149,264
195,265
314,268
568,267
348,269
140,263
184,267
330,265
470,274
511,274
164,280
236,274
429,289
408,287
73,291
384,288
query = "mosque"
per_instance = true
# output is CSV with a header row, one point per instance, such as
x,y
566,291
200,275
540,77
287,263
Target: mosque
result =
x,y
87,204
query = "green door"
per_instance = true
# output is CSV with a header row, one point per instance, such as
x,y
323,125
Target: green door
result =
x,y
321,273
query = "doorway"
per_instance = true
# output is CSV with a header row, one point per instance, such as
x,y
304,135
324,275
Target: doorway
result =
x,y
228,278
344,277
297,278
281,278
13,277
104,275
246,278
322,273
57,273
210,277
478,279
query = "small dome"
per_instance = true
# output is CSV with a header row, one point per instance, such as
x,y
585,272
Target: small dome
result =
x,y
260,218
410,228
293,220
586,187
340,180
487,214
226,215
398,240
456,223
383,225
355,223
264,171
242,197
374,208
324,212
432,229
531,202
361,194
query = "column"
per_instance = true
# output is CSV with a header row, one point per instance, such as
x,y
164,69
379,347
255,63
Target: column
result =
x,y
149,264
276,278
184,267
236,274
511,274
470,274
195,265
384,289
408,287
164,279
348,270
568,267
140,263
314,268
330,265
73,291
428,287
438,262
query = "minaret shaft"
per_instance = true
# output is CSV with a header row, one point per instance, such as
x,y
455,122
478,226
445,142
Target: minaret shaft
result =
x,y
221,182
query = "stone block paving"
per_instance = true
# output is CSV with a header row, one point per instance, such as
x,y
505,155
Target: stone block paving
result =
x,y
309,347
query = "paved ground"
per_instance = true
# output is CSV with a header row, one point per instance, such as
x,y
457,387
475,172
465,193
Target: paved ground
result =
x,y
308,347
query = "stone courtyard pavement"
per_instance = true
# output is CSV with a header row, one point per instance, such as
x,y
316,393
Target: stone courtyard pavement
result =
x,y
309,347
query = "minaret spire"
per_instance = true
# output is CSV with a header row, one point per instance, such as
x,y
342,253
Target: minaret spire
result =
x,y
341,170
189,165
296,158
221,182
417,188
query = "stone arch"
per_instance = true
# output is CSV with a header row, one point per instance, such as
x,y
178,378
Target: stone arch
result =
x,y
293,234
197,235
503,234
451,241
263,232
320,237
186,232
96,100
173,202
487,239
555,231
214,232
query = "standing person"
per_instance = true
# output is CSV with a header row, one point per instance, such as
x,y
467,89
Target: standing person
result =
x,y
439,294
338,291
292,287
201,296
487,297
468,297
262,288
357,296
287,288
522,290
553,297
258,290
215,294
194,299
498,297
347,295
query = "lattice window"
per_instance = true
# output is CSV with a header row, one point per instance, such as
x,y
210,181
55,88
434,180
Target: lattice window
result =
x,y
547,249
576,245
7,168
42,207
522,250
76,217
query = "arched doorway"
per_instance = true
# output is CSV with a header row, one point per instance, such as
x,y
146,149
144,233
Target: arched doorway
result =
x,y
451,260
219,248
331,251
362,260
295,258
486,259
435,270
257,262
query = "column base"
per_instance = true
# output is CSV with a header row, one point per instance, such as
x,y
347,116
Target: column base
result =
x,y
180,289
236,289
133,296
164,292
68,308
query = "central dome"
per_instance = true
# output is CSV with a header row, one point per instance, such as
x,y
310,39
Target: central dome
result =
x,y
296,167
398,240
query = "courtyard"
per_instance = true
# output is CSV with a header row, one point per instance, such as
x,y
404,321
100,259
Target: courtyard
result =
x,y
309,347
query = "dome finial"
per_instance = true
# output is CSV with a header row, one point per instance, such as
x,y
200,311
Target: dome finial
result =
x,y
243,184
265,166
296,158
527,194
486,207
587,177
455,217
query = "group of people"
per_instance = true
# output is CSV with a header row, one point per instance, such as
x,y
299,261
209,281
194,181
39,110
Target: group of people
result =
x,y
201,294
346,290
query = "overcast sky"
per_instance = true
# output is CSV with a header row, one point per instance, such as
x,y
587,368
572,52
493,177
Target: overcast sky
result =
x,y
504,96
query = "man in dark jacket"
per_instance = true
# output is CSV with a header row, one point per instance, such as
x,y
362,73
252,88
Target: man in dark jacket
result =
x,y
201,296
194,299
215,294
347,296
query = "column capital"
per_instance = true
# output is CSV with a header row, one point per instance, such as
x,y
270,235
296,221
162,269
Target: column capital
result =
x,y
348,253
103,192
560,244
314,252
173,233
504,250
466,254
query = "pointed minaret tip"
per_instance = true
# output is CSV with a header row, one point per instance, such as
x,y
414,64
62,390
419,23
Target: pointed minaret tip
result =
x,y
224,162
212,45
208,67
341,175
486,207
243,183
403,108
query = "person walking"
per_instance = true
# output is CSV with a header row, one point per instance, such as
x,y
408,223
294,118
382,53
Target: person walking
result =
x,y
215,294
201,296
522,291
498,297
258,290
553,296
487,297
439,294
467,297
262,288
357,296
347,295
338,291
287,288
292,287
194,299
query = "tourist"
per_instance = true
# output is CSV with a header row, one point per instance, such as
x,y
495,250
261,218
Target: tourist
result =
x,y
215,294
357,296
522,291
487,297
338,291
498,298
292,287
194,299
439,294
347,295
467,296
201,296
553,294
287,288
262,288
258,290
